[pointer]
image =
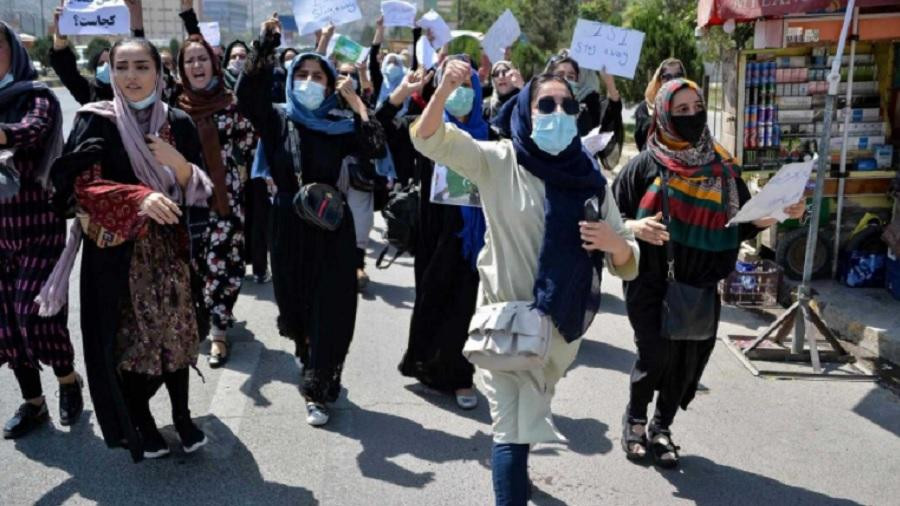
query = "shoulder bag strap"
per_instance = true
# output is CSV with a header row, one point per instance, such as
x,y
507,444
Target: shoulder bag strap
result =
x,y
667,219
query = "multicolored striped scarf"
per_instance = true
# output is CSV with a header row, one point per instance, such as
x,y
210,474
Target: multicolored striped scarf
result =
x,y
702,185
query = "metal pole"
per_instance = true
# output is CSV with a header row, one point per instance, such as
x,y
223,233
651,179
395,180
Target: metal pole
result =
x,y
834,79
842,181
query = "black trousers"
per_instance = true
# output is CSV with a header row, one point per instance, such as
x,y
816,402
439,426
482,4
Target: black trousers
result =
x,y
672,368
139,388
29,379
256,225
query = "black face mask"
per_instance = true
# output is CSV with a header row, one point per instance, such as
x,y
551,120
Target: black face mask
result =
x,y
690,128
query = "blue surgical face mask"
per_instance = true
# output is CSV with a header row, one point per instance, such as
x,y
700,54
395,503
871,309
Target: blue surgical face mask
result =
x,y
394,73
6,81
140,105
554,132
103,73
574,85
459,103
309,93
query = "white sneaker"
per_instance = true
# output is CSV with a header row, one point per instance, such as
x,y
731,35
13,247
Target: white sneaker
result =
x,y
316,414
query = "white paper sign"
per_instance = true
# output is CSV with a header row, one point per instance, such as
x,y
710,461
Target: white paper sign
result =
x,y
95,17
425,54
398,13
786,187
436,29
211,33
312,15
599,46
596,141
502,34
450,188
346,49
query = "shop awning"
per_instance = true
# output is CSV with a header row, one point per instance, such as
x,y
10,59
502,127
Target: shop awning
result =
x,y
717,12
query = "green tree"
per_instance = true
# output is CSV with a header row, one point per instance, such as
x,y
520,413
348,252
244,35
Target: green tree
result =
x,y
40,51
95,47
174,47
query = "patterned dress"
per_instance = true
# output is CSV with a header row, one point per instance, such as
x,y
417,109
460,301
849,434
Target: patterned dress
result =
x,y
31,240
224,264
158,328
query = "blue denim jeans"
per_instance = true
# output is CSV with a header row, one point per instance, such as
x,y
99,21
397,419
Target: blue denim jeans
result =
x,y
509,466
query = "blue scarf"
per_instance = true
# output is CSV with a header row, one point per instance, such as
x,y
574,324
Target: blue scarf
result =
x,y
474,224
319,120
563,288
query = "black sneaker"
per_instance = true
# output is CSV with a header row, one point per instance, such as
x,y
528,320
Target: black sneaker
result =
x,y
155,446
192,438
71,402
27,417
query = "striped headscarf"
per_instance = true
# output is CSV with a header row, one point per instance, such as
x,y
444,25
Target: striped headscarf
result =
x,y
702,192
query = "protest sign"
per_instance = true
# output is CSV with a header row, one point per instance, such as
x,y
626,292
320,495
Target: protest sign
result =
x,y
398,13
211,33
312,15
425,54
95,17
787,187
449,188
599,46
346,49
436,28
596,141
502,34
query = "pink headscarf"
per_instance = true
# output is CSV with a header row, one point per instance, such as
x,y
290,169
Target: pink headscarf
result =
x,y
147,169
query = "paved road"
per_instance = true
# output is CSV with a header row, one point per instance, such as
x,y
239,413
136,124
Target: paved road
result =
x,y
745,440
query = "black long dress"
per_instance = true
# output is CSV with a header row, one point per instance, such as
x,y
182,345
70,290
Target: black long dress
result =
x,y
642,122
313,270
673,368
446,284
105,271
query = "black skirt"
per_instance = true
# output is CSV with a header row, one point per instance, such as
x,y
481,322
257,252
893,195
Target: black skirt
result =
x,y
446,291
314,279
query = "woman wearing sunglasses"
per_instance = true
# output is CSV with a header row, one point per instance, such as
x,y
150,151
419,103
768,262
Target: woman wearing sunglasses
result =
x,y
669,69
533,189
507,81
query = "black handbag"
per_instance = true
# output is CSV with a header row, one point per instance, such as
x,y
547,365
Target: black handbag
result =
x,y
688,312
318,204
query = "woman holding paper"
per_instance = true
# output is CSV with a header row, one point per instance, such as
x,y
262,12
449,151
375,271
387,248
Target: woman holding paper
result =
x,y
131,174
450,238
313,265
64,62
507,81
31,239
534,188
703,191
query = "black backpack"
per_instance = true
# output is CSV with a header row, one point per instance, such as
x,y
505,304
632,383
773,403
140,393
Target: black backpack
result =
x,y
402,216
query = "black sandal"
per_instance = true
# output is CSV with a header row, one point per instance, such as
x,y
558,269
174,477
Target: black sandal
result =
x,y
217,360
630,439
665,452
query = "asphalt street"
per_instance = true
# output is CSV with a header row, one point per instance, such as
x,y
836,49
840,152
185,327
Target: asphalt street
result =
x,y
745,440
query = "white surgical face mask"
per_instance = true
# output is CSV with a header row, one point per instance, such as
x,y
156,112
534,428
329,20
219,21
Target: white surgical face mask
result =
x,y
309,93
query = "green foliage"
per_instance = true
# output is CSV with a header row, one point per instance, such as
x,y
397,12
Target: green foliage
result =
x,y
95,47
174,47
40,51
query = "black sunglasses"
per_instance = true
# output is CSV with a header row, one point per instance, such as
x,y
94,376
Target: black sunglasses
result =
x,y
499,72
668,77
547,105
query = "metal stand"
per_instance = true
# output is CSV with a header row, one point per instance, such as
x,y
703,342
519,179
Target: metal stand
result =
x,y
801,311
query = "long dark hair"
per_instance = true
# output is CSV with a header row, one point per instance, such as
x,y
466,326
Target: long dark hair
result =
x,y
144,43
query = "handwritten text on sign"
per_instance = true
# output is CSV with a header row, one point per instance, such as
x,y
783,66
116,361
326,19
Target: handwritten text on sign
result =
x,y
398,13
94,17
597,46
314,14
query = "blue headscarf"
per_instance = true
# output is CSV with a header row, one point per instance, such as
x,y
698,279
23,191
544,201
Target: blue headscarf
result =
x,y
318,120
564,288
474,224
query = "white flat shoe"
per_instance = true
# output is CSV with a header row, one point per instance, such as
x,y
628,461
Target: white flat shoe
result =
x,y
467,401
316,414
